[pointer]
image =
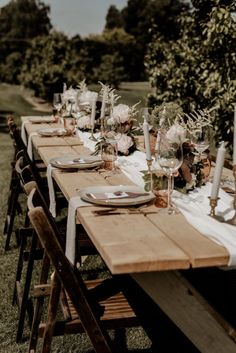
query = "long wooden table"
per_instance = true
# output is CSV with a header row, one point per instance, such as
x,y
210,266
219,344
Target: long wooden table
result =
x,y
148,247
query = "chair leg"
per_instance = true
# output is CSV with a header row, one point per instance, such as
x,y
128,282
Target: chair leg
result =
x,y
13,183
38,307
20,262
52,314
11,214
25,304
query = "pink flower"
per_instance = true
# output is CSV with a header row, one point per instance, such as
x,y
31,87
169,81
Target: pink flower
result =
x,y
124,142
83,122
176,134
121,113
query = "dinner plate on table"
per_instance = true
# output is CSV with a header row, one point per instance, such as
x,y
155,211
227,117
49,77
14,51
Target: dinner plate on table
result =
x,y
77,162
41,119
50,131
121,195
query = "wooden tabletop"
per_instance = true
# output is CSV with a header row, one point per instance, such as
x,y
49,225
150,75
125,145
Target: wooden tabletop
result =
x,y
131,243
148,245
39,141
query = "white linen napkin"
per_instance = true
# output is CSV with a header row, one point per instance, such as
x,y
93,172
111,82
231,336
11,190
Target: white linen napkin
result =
x,y
195,208
52,197
29,146
74,203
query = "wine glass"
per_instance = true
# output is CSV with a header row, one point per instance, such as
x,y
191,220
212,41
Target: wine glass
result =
x,y
200,139
57,103
112,132
170,158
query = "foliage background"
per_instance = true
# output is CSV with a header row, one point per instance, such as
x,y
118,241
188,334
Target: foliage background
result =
x,y
197,67
185,49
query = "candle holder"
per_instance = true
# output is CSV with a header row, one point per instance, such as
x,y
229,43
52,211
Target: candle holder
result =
x,y
233,220
213,204
149,172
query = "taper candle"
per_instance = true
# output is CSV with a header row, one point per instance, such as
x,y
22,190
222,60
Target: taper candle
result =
x,y
218,171
147,139
234,145
104,97
93,110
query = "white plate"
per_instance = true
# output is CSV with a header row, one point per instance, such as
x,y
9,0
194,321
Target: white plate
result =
x,y
41,119
50,131
78,162
104,195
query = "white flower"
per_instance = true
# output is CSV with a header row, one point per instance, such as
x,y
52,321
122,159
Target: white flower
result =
x,y
70,95
124,142
83,122
176,134
87,97
121,113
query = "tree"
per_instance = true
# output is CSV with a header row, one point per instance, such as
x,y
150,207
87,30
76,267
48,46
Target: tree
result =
x,y
24,19
47,63
113,18
137,19
20,21
197,69
110,70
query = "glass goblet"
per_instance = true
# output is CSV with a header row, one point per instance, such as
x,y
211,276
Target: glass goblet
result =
x,y
112,132
57,103
200,139
170,158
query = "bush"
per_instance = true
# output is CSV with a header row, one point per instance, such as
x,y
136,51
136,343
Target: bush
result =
x,y
198,68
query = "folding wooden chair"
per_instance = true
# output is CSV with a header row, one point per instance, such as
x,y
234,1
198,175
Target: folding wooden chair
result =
x,y
91,306
13,205
27,170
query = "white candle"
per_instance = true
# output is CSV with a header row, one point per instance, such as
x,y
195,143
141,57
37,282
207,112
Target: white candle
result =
x,y
147,139
234,145
103,103
218,171
93,111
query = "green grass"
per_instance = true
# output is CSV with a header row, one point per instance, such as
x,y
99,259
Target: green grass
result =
x,y
12,101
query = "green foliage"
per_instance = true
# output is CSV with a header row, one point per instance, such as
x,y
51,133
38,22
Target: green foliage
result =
x,y
198,68
20,21
111,69
24,19
46,64
113,18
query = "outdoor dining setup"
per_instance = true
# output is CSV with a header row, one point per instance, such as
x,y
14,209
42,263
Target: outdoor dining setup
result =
x,y
139,187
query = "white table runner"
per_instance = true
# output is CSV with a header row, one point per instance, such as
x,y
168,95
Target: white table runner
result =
x,y
194,206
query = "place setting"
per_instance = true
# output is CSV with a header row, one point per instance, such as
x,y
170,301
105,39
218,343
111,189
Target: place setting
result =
x,y
80,162
51,132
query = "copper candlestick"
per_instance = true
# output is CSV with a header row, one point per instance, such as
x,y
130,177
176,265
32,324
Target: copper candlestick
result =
x,y
213,204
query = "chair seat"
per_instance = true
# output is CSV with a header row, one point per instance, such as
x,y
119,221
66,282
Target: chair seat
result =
x,y
115,311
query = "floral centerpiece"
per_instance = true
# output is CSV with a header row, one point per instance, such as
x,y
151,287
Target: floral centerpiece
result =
x,y
85,99
179,125
124,116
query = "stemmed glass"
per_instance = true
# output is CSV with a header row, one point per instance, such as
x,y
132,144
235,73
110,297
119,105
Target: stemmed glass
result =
x,y
111,132
170,158
200,139
57,103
